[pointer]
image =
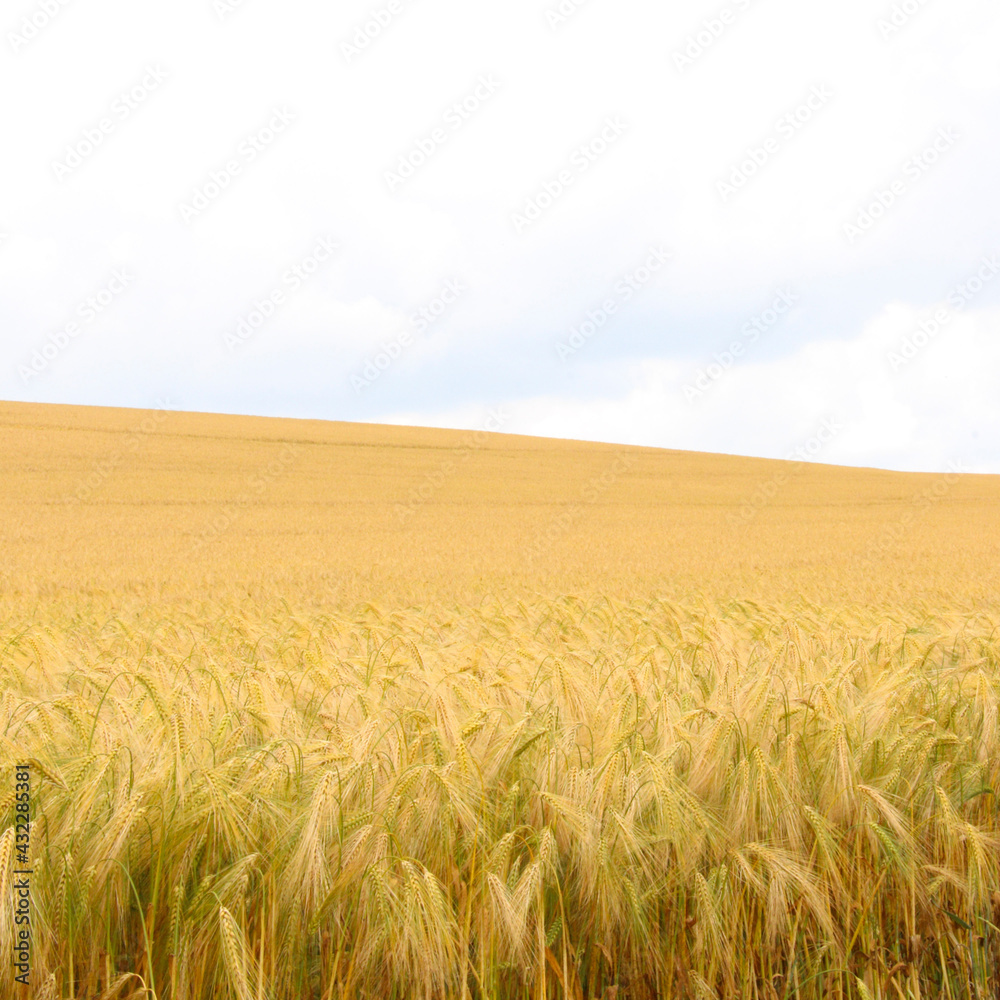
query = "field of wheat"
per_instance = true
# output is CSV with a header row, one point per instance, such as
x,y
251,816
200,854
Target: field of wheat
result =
x,y
332,711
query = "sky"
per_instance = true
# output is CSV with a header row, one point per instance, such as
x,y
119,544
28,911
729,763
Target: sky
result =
x,y
757,227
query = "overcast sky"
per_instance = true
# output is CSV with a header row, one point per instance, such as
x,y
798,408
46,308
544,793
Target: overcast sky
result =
x,y
736,227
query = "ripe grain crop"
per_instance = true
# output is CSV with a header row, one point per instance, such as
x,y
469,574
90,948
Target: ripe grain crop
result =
x,y
663,762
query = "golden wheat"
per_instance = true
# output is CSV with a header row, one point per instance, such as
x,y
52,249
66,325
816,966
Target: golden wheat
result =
x,y
381,808
304,754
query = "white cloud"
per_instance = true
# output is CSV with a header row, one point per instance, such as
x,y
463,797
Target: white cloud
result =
x,y
919,417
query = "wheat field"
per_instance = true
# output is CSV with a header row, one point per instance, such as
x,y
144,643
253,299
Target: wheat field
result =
x,y
319,710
